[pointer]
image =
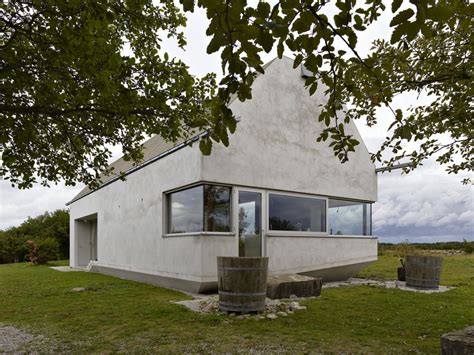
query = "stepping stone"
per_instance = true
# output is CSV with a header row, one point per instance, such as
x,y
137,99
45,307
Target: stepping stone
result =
x,y
283,286
458,343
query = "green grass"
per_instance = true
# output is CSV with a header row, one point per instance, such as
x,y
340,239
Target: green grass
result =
x,y
118,315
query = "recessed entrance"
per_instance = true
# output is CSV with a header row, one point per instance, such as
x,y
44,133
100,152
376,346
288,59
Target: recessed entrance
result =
x,y
86,239
250,223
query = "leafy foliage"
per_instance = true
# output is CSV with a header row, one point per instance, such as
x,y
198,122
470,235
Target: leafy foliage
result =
x,y
76,76
55,226
42,251
429,53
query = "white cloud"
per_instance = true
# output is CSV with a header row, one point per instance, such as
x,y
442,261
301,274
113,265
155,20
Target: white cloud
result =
x,y
16,205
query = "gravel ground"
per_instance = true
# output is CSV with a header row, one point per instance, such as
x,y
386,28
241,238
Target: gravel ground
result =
x,y
15,341
388,284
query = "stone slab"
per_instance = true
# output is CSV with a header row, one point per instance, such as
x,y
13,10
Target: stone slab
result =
x,y
401,285
67,268
458,343
286,285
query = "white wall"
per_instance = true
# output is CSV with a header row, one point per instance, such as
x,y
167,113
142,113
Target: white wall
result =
x,y
303,254
130,230
274,147
275,143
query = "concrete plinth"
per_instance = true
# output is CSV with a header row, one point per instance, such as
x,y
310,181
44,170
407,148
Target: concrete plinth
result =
x,y
283,286
458,343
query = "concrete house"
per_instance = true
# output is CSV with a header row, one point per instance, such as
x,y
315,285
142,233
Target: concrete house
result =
x,y
273,192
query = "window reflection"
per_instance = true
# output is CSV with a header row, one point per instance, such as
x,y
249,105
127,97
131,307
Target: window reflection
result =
x,y
291,213
349,217
250,234
185,211
216,208
201,208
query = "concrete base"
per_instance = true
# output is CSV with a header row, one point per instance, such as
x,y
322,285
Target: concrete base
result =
x,y
283,286
67,268
337,273
458,343
168,282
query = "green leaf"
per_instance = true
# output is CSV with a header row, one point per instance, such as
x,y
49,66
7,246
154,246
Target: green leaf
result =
x,y
188,5
266,40
439,13
403,16
214,45
298,60
280,49
352,37
205,145
263,9
396,5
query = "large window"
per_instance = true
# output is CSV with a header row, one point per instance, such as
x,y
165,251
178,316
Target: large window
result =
x,y
204,208
291,213
349,218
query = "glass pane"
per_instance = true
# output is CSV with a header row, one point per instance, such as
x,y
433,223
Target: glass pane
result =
x,y
185,211
216,208
291,213
349,218
250,217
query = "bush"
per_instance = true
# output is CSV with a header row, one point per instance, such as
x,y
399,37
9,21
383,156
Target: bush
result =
x,y
468,247
43,250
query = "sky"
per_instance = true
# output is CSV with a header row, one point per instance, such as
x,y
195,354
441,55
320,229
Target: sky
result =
x,y
427,205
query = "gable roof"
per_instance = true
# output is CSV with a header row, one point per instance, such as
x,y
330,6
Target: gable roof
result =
x,y
153,149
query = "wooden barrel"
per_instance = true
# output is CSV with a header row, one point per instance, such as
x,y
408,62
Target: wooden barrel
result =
x,y
242,283
423,271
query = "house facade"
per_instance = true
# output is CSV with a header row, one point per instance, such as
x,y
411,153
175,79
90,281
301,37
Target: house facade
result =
x,y
273,192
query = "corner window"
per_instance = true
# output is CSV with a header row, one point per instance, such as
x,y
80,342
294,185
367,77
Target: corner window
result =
x,y
292,213
350,217
204,208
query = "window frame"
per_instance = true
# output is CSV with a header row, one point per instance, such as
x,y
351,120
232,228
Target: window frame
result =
x,y
266,232
369,236
166,210
279,233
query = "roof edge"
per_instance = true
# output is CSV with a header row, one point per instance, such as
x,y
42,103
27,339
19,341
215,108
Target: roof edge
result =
x,y
142,165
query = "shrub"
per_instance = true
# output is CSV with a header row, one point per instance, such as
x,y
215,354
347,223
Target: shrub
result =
x,y
468,247
43,250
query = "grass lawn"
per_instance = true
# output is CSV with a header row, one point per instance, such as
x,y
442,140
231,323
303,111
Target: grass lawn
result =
x,y
118,315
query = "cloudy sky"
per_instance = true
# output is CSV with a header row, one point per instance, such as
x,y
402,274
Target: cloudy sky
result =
x,y
426,205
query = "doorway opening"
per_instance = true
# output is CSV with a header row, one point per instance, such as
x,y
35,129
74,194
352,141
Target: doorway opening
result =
x,y
86,239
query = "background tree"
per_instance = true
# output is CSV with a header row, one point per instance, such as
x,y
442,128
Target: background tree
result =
x,y
49,233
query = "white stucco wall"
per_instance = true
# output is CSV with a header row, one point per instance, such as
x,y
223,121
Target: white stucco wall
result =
x,y
275,143
302,254
129,214
274,147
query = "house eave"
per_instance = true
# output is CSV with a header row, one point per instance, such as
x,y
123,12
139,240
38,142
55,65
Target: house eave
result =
x,y
142,165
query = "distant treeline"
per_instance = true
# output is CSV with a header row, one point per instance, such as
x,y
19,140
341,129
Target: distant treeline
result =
x,y
465,245
47,231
